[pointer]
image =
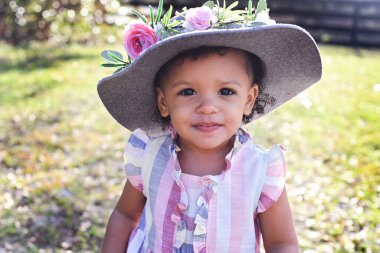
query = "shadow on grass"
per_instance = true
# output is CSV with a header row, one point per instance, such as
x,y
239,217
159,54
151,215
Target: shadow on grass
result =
x,y
31,90
40,59
27,73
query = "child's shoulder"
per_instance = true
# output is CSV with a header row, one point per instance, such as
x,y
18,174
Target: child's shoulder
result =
x,y
141,148
272,149
273,154
141,138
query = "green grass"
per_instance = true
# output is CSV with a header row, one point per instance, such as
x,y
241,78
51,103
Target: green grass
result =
x,y
61,163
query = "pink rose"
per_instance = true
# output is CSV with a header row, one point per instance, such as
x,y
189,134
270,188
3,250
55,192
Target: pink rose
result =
x,y
199,18
138,36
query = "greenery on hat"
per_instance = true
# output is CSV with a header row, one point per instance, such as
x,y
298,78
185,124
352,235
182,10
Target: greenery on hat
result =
x,y
143,33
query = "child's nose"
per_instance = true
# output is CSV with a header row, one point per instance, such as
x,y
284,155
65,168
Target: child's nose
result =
x,y
207,106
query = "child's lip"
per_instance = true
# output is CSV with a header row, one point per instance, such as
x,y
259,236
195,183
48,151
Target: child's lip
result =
x,y
207,126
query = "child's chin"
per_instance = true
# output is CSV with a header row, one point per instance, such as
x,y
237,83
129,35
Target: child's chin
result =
x,y
210,144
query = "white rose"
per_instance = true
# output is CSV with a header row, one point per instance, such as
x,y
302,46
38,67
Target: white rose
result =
x,y
263,17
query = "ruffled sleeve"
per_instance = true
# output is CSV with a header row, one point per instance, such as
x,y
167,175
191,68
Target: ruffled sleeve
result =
x,y
274,180
134,156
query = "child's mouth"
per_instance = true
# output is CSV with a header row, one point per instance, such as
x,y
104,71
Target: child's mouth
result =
x,y
207,127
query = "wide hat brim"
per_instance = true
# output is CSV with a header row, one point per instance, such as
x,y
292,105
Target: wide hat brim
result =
x,y
290,55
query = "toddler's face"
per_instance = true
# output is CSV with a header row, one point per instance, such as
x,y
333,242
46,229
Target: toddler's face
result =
x,y
206,99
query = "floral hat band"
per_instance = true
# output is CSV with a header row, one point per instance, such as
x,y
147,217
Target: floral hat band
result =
x,y
141,34
289,54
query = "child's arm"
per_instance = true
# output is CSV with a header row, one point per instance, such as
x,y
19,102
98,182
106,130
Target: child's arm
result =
x,y
124,218
277,227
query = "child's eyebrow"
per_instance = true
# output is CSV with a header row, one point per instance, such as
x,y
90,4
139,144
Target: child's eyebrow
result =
x,y
230,82
179,83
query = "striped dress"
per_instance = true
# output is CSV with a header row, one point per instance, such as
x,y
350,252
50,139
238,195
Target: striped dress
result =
x,y
211,213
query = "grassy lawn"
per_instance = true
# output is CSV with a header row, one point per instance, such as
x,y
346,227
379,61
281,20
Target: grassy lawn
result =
x,y
61,153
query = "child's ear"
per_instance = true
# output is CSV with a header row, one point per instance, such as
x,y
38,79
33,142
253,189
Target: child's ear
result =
x,y
161,103
253,92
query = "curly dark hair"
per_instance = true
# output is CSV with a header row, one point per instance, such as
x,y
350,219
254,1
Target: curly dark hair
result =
x,y
255,69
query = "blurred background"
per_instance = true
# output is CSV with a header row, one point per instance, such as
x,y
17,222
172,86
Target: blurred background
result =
x,y
61,153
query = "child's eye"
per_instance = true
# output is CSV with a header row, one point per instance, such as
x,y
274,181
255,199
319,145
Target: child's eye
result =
x,y
226,92
187,92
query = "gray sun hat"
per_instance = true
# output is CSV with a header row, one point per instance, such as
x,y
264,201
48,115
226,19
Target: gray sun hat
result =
x,y
291,57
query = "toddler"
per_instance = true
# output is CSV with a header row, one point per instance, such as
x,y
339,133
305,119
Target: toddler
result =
x,y
196,181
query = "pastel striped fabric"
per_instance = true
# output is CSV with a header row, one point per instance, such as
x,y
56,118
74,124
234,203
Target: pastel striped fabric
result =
x,y
212,213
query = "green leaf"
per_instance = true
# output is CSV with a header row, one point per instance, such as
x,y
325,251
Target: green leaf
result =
x,y
116,56
167,16
151,15
169,12
174,23
140,16
238,12
217,3
209,4
233,5
233,16
172,32
112,65
261,5
250,8
159,12
224,4
164,21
